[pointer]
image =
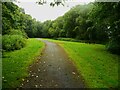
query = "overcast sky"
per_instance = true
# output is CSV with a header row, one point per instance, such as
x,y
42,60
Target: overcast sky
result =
x,y
46,12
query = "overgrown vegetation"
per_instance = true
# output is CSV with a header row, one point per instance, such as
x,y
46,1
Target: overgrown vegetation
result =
x,y
16,63
98,67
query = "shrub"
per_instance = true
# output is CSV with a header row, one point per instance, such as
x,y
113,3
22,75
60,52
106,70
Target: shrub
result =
x,y
114,46
13,42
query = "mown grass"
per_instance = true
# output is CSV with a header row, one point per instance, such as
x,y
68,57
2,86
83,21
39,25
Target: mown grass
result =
x,y
98,67
16,63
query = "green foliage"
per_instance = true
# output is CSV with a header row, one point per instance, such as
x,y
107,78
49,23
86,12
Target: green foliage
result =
x,y
114,46
14,18
16,63
45,29
89,23
13,42
14,37
97,22
18,32
107,20
10,17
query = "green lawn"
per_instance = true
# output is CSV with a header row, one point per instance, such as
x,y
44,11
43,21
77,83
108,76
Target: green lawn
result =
x,y
98,67
16,63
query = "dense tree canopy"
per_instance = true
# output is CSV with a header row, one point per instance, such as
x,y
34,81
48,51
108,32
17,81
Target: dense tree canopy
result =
x,y
107,17
97,22
14,17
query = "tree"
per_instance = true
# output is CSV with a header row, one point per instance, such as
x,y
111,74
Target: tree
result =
x,y
107,17
69,23
10,16
45,28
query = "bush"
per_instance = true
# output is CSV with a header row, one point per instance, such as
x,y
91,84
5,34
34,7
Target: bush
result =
x,y
13,42
114,46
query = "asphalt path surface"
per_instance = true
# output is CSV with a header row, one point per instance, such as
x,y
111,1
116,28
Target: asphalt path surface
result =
x,y
53,69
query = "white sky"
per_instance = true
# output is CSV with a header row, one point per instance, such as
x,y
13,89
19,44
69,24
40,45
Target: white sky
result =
x,y
47,12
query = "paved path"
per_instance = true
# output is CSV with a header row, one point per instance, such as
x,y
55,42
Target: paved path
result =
x,y
53,70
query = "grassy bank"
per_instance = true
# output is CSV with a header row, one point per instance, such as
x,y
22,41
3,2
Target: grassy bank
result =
x,y
98,67
16,63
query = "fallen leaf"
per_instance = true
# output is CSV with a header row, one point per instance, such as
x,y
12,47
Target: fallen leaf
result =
x,y
40,85
23,79
36,86
36,76
27,80
32,75
73,73
38,69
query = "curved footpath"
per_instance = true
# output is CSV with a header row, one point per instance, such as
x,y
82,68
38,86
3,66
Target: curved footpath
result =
x,y
53,70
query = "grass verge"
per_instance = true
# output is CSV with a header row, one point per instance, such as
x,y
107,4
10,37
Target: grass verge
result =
x,y
98,67
15,64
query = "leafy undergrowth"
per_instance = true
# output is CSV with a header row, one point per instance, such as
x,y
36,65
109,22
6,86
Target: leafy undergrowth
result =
x,y
98,67
16,63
